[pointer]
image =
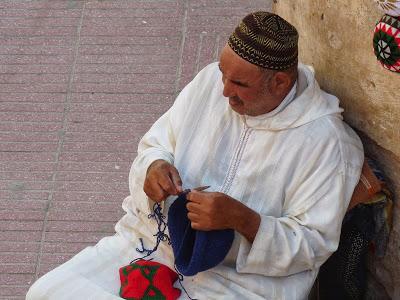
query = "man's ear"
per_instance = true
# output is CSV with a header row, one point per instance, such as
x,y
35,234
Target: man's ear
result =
x,y
282,82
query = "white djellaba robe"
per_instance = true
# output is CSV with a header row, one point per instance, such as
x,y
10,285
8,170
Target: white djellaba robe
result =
x,y
297,166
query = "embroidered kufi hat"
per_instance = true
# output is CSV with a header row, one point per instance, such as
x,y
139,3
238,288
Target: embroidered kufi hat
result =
x,y
386,42
266,40
194,250
390,7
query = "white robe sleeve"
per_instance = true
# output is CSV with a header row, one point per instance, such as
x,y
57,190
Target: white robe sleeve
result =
x,y
302,239
158,143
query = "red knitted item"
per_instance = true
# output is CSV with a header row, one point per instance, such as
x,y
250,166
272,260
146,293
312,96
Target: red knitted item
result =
x,y
148,280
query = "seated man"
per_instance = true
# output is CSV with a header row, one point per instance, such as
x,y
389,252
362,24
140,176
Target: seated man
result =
x,y
281,163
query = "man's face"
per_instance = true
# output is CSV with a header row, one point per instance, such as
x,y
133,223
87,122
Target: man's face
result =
x,y
245,85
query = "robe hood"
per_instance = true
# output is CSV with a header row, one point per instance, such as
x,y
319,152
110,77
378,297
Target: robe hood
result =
x,y
309,103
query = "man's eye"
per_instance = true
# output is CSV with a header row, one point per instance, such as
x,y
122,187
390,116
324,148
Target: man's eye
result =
x,y
239,84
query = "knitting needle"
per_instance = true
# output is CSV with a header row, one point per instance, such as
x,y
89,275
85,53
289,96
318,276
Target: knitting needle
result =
x,y
198,189
201,188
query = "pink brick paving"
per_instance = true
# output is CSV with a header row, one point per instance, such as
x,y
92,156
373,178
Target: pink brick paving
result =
x,y
80,83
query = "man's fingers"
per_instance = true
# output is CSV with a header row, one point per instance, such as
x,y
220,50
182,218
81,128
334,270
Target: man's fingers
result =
x,y
194,221
166,183
176,179
193,207
193,217
161,193
162,180
156,194
195,226
195,196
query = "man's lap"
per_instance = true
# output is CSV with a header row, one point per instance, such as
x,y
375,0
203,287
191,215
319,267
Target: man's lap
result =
x,y
91,274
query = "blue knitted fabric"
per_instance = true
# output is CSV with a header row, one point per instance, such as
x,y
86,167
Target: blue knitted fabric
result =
x,y
194,250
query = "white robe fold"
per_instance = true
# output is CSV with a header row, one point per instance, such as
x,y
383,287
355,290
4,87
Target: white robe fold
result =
x,y
297,167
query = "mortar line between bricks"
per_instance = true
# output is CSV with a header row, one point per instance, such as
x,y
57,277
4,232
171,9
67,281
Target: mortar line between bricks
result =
x,y
100,64
76,151
89,44
90,17
37,27
79,112
198,54
184,29
69,26
95,35
89,9
61,140
102,93
34,18
78,82
20,36
12,285
83,102
85,54
62,192
216,50
90,73
56,122
72,231
31,131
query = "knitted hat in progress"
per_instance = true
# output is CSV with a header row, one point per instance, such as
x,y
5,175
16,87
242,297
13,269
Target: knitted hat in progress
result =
x,y
195,250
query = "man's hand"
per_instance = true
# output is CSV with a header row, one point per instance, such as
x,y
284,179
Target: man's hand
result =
x,y
213,211
162,180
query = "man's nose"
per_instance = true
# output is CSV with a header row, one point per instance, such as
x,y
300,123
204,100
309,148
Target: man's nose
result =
x,y
229,90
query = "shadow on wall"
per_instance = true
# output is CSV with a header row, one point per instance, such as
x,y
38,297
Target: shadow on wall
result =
x,y
336,38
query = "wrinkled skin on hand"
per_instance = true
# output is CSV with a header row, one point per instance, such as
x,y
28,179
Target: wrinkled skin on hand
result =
x,y
215,211
209,210
162,180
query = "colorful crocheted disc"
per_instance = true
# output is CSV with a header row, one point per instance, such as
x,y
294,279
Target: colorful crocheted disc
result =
x,y
387,42
148,280
390,7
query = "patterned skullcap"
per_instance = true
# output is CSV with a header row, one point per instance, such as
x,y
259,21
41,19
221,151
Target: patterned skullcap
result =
x,y
390,7
266,40
387,42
